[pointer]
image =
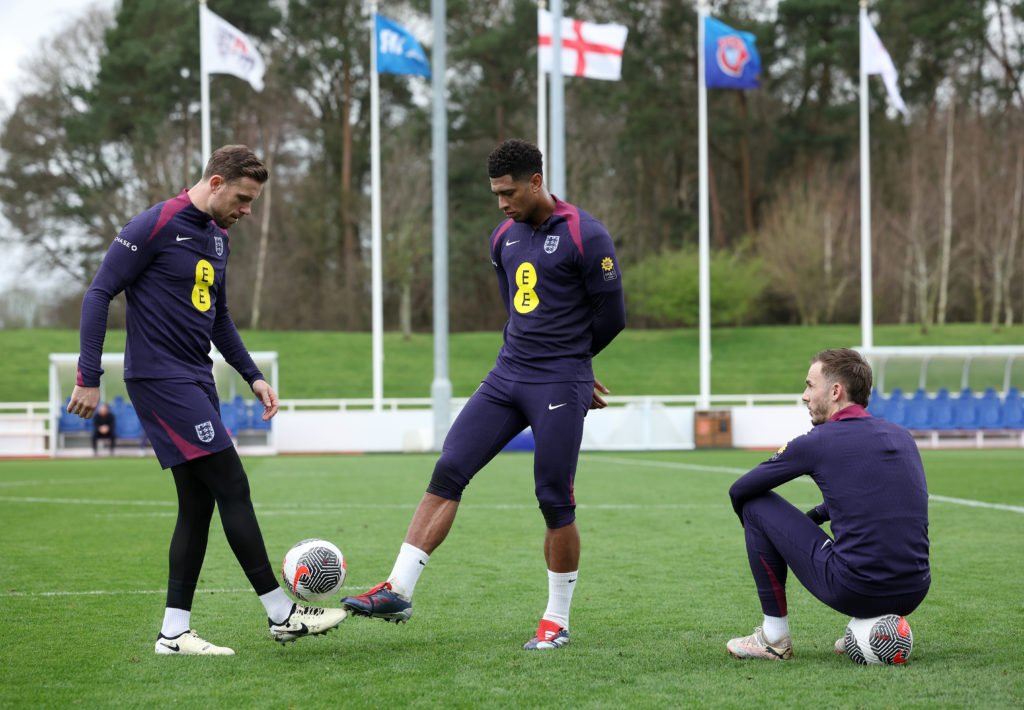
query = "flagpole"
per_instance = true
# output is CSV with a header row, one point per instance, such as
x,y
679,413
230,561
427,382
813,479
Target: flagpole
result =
x,y
542,99
204,85
556,162
704,265
866,315
441,388
376,287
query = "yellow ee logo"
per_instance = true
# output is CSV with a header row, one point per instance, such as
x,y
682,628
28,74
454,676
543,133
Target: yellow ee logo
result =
x,y
201,291
526,279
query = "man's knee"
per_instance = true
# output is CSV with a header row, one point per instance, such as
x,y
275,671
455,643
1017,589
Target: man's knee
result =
x,y
558,516
447,481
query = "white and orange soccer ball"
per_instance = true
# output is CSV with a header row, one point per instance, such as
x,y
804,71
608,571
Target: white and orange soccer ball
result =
x,y
880,640
313,570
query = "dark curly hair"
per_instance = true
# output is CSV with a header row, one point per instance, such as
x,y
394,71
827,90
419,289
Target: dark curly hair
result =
x,y
848,368
517,158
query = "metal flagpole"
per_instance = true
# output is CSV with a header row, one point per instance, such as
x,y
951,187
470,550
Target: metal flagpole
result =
x,y
441,388
376,287
542,99
704,268
866,315
204,85
556,162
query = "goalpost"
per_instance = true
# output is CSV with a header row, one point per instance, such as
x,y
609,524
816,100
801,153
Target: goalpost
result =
x,y
70,432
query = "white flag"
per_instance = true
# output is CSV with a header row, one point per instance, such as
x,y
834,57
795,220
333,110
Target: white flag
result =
x,y
876,60
226,50
588,49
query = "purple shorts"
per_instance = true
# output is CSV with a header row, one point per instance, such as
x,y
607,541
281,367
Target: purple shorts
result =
x,y
181,418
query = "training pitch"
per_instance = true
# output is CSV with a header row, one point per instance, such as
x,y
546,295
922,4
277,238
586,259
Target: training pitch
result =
x,y
663,585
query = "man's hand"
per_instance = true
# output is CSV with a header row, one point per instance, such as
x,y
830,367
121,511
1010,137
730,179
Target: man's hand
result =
x,y
84,401
597,402
266,394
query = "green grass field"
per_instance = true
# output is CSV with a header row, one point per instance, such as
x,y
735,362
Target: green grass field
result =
x,y
664,584
765,359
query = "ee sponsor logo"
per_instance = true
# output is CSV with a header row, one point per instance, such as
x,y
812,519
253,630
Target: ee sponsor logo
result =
x,y
201,291
526,279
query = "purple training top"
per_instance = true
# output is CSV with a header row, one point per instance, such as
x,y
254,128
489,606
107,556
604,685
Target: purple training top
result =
x,y
871,477
562,287
170,262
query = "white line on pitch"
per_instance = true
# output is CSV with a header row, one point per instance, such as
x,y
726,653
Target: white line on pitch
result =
x,y
103,592
53,481
805,479
666,464
977,503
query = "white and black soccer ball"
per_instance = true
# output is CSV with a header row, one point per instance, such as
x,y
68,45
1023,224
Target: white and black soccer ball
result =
x,y
313,570
880,640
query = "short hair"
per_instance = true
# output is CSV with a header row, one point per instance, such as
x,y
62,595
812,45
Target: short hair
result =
x,y
515,157
850,369
234,162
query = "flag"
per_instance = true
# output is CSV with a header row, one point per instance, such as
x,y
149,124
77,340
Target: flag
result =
x,y
226,50
398,52
874,59
588,49
731,60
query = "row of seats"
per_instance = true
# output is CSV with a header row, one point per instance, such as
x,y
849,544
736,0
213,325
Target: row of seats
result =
x,y
944,412
238,414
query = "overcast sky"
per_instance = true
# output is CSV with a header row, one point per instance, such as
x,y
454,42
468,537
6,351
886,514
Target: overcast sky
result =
x,y
24,25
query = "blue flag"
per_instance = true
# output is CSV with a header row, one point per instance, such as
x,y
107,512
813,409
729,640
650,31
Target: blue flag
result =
x,y
731,60
397,51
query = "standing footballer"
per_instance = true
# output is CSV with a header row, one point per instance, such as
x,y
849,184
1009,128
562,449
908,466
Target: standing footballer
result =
x,y
170,261
561,285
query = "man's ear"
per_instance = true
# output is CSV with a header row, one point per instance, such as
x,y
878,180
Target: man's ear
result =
x,y
216,182
536,181
838,391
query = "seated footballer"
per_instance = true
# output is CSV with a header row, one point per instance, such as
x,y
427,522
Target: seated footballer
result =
x,y
872,480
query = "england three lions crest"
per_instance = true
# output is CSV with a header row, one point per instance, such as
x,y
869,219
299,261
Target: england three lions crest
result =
x,y
550,244
205,431
218,244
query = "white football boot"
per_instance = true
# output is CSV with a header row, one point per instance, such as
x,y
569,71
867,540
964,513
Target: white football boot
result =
x,y
189,644
306,621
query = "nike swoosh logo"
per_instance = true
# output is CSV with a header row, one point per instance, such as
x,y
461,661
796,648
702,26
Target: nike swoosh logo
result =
x,y
172,646
508,243
556,406
181,238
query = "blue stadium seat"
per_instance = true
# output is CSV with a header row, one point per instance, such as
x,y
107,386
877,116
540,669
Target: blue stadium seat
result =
x,y
918,411
966,410
896,407
523,441
231,417
254,418
990,411
943,412
126,422
1013,410
876,404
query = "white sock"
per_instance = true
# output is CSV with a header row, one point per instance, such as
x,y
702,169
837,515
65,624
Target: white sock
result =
x,y
278,605
176,622
560,588
775,627
410,563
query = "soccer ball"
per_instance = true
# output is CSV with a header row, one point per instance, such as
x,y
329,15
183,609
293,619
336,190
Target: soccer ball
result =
x,y
879,640
313,570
